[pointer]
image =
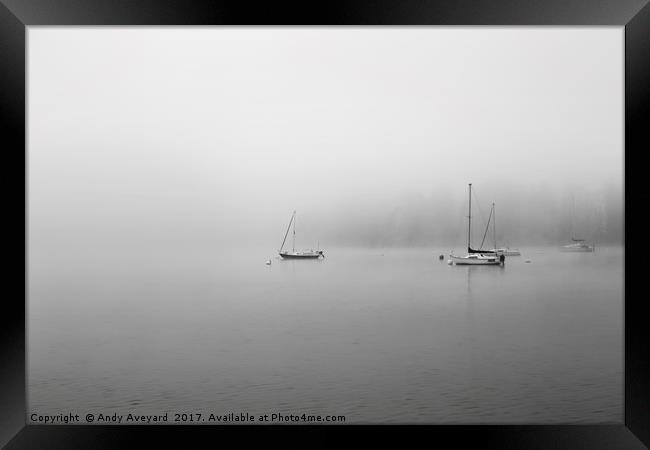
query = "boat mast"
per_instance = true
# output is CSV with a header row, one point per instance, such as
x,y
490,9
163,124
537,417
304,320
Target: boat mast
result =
x,y
494,226
287,233
294,232
573,218
469,226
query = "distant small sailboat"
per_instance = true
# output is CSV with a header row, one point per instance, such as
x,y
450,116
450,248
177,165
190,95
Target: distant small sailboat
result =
x,y
301,254
578,245
477,257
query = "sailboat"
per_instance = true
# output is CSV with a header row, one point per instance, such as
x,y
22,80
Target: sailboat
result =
x,y
300,254
477,257
578,245
507,251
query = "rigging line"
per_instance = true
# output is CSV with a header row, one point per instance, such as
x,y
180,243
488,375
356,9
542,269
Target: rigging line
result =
x,y
294,232
287,233
486,229
478,205
462,219
494,226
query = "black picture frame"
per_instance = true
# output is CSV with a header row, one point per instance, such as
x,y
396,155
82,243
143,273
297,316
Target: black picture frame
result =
x,y
16,15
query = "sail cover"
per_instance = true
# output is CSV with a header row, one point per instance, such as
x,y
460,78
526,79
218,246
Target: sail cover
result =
x,y
470,250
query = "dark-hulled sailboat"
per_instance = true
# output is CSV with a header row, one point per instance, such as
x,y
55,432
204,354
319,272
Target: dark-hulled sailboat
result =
x,y
297,254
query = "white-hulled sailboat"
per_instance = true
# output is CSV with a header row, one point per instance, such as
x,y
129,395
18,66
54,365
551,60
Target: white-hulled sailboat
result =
x,y
300,254
578,245
476,257
507,251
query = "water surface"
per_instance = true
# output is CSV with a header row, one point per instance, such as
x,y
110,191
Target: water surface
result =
x,y
377,335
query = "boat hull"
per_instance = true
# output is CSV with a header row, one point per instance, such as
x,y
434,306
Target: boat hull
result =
x,y
301,255
475,261
507,252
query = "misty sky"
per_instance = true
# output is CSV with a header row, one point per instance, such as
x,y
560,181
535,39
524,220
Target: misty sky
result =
x,y
213,136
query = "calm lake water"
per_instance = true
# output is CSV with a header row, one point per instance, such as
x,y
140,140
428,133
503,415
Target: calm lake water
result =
x,y
377,335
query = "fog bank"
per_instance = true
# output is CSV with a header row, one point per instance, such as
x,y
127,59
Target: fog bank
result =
x,y
211,137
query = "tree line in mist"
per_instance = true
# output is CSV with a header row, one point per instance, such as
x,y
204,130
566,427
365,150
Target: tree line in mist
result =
x,y
524,217
543,215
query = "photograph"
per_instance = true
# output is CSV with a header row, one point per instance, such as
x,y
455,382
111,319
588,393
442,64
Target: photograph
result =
x,y
325,225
